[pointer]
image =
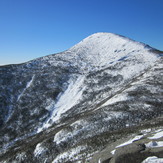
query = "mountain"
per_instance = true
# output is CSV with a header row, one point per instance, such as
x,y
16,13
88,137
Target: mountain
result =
x,y
69,106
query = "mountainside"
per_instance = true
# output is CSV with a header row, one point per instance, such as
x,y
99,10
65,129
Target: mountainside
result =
x,y
66,107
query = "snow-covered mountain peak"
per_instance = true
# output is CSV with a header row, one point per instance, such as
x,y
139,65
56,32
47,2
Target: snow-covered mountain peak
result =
x,y
99,50
102,49
109,40
67,106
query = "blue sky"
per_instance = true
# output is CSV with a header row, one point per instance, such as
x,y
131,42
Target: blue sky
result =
x,y
35,28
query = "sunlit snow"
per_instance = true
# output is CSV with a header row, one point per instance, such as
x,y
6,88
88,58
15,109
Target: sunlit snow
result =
x,y
130,141
153,159
154,144
157,135
66,101
27,86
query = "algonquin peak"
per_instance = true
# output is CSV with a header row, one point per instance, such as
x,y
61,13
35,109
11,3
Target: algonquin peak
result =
x,y
67,107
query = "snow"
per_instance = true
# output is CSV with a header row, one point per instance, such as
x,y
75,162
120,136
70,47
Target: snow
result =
x,y
94,53
60,136
20,156
113,152
127,142
27,86
99,161
137,64
77,127
154,144
71,154
38,150
30,82
103,49
70,97
116,98
11,143
153,159
79,123
130,141
67,100
98,51
103,46
145,131
113,114
51,106
157,135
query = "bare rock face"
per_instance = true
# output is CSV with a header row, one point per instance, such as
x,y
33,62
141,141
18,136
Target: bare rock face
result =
x,y
68,106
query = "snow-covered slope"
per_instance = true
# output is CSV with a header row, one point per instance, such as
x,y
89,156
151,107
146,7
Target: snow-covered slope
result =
x,y
67,101
100,50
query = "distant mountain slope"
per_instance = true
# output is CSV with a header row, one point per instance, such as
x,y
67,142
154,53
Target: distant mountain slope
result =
x,y
68,106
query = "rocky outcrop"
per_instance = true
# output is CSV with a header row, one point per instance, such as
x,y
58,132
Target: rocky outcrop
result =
x,y
135,149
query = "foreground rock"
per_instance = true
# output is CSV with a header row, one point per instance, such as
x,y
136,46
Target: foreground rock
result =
x,y
136,148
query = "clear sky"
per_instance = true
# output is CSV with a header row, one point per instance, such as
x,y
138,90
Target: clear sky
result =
x,y
35,28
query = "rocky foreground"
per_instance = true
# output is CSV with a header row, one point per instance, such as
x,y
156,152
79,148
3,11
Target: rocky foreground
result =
x,y
144,145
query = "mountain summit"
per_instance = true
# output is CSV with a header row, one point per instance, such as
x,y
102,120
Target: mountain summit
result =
x,y
100,49
68,106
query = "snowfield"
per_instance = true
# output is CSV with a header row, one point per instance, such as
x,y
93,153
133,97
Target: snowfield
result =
x,y
154,144
157,135
153,159
68,99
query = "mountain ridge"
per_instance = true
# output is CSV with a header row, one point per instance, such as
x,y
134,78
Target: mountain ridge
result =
x,y
94,36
